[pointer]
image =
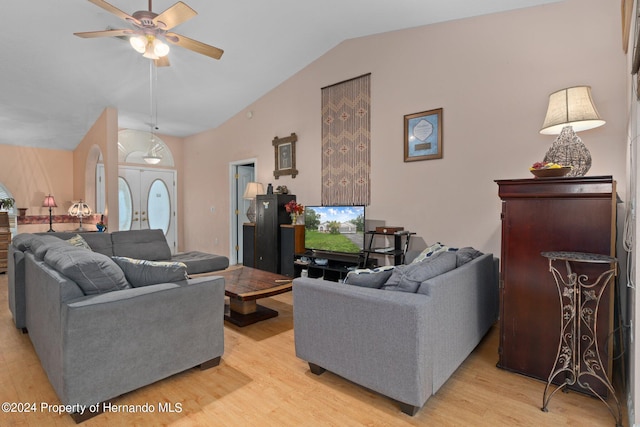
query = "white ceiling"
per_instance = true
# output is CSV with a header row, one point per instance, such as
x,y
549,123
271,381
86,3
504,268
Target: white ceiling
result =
x,y
54,85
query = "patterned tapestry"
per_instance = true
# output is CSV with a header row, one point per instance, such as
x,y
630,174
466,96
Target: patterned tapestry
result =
x,y
346,156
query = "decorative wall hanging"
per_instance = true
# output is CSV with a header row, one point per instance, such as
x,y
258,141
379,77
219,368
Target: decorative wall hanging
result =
x,y
285,156
423,135
346,141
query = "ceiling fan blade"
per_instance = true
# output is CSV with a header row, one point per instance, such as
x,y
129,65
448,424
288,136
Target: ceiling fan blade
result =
x,y
194,45
112,9
163,61
175,15
106,33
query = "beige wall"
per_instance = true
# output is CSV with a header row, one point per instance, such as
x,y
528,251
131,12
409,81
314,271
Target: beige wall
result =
x,y
492,76
32,173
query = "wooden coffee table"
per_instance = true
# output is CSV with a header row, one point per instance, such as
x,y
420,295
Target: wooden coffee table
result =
x,y
244,286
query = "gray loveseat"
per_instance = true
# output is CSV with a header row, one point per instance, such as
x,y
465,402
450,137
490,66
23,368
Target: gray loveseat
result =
x,y
140,244
101,330
400,344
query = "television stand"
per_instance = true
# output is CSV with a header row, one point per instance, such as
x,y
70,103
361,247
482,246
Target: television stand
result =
x,y
326,265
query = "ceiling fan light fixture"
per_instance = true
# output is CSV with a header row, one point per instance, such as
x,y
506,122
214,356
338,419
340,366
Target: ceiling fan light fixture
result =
x,y
159,48
139,43
149,52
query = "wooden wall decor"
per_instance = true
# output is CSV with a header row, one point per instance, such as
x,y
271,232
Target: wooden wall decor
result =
x,y
285,156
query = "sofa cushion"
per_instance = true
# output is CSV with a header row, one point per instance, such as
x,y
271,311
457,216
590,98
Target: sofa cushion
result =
x,y
99,242
79,242
93,272
141,244
407,278
369,278
201,262
140,272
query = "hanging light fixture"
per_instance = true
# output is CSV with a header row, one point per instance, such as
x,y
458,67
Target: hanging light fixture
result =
x,y
149,46
153,157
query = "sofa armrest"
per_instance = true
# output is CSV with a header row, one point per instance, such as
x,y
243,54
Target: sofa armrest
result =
x,y
378,339
465,304
142,334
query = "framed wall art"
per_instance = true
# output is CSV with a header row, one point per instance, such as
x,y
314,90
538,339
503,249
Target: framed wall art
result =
x,y
423,135
285,156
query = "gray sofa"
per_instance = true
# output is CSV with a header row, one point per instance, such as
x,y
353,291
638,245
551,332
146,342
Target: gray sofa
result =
x,y
140,244
400,344
101,331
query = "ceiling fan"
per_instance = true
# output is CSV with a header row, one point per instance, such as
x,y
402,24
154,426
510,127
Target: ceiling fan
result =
x,y
150,30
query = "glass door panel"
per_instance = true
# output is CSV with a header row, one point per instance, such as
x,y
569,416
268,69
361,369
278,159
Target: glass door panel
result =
x,y
125,202
159,206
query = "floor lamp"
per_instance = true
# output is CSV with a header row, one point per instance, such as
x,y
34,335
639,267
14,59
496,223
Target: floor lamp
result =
x,y
50,202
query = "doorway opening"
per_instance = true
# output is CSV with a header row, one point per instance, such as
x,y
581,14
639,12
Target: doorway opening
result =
x,y
240,173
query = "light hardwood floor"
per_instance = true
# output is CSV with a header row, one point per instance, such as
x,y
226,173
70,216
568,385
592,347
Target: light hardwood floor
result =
x,y
260,382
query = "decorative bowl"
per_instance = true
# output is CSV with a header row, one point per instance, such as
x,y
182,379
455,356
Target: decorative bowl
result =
x,y
551,172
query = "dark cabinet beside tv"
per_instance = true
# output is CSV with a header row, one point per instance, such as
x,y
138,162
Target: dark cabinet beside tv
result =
x,y
549,214
270,214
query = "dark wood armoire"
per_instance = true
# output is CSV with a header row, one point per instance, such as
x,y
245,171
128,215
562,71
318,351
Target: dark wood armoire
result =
x,y
270,214
549,214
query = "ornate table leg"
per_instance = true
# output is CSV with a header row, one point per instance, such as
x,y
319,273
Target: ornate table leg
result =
x,y
578,353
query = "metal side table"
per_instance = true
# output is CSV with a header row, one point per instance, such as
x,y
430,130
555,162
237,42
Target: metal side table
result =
x,y
578,354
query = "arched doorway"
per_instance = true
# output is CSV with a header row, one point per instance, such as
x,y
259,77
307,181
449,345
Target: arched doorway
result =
x,y
146,194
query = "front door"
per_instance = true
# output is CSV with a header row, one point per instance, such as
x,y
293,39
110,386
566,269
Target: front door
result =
x,y
147,200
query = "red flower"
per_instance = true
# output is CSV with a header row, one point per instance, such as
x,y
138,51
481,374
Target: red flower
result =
x,y
294,207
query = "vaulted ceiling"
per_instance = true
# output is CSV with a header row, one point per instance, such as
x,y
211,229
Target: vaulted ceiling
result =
x,y
54,85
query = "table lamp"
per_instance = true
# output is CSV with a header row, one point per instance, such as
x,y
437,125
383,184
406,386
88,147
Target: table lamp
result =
x,y
50,202
250,193
570,110
80,210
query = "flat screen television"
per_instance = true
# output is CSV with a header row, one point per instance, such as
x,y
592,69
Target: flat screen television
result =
x,y
338,229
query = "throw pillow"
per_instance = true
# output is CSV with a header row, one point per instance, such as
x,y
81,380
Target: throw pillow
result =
x,y
23,241
369,278
431,250
78,241
41,245
466,254
94,273
140,272
407,278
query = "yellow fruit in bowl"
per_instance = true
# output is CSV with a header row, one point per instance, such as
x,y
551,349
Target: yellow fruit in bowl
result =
x,y
546,165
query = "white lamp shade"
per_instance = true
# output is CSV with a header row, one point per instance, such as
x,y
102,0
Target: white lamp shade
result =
x,y
571,107
139,43
159,48
253,189
79,209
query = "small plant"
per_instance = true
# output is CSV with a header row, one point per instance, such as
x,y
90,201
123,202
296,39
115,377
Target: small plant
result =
x,y
7,203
